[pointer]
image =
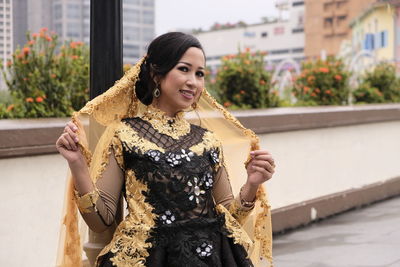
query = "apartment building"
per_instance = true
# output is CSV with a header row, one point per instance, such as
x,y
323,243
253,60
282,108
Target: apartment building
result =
x,y
327,24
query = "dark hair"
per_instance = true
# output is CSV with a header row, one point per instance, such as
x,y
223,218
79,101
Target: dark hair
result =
x,y
163,54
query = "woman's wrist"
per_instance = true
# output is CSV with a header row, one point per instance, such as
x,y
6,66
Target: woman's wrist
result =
x,y
248,194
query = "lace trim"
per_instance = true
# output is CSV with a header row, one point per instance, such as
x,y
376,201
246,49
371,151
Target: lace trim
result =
x,y
263,222
117,148
238,211
87,202
131,139
235,230
174,127
129,243
209,141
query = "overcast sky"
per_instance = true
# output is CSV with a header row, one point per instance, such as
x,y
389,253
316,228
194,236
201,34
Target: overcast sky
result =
x,y
189,14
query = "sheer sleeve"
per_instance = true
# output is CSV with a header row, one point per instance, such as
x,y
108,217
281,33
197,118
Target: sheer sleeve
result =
x,y
222,193
99,207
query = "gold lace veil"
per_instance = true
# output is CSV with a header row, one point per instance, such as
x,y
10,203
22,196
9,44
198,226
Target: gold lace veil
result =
x,y
120,101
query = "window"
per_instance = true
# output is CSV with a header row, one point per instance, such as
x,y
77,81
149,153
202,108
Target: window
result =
x,y
131,33
298,30
148,17
148,2
58,11
328,22
369,42
384,39
148,34
134,2
264,34
131,15
249,34
341,20
297,50
131,50
298,3
73,30
73,11
277,52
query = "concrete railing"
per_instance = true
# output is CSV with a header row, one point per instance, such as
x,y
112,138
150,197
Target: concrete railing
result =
x,y
329,159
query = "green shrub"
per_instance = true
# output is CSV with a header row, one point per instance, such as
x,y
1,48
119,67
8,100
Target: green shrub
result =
x,y
45,81
243,82
379,85
322,82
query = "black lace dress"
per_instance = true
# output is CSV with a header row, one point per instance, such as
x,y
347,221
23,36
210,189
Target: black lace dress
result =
x,y
178,165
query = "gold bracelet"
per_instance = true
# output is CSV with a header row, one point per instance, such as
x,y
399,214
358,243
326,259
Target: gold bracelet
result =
x,y
244,203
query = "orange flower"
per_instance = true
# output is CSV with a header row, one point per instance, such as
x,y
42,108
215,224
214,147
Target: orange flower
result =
x,y
262,82
247,49
311,79
72,45
338,77
25,62
242,92
328,92
29,99
324,70
74,57
313,94
39,99
317,91
9,63
52,75
306,89
25,79
227,104
247,62
10,107
48,38
26,50
35,35
31,42
44,29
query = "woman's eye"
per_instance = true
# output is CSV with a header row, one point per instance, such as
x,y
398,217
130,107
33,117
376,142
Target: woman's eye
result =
x,y
200,74
183,68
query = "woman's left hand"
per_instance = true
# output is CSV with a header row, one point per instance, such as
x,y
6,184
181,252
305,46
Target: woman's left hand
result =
x,y
260,168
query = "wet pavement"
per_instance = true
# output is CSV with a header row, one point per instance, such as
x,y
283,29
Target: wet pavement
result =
x,y
367,237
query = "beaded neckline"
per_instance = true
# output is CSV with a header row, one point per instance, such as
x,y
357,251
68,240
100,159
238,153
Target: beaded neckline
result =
x,y
175,126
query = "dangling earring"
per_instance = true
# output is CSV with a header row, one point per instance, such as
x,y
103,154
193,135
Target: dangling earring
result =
x,y
194,105
156,92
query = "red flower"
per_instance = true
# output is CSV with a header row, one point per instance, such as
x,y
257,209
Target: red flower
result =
x,y
9,63
31,42
29,99
26,50
39,99
324,70
338,77
306,89
10,107
262,82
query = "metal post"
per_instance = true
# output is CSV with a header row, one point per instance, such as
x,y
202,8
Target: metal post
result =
x,y
105,69
105,44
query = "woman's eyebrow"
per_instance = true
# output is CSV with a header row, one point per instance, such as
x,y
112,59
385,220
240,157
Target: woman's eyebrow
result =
x,y
186,63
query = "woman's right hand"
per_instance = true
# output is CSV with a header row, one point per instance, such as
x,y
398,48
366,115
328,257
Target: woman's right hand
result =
x,y
67,144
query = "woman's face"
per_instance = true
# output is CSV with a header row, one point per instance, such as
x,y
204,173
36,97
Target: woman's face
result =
x,y
182,85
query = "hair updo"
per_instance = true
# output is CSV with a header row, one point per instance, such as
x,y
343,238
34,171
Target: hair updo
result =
x,y
163,54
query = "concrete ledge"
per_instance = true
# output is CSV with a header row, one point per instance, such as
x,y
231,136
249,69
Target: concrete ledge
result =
x,y
26,137
297,215
301,118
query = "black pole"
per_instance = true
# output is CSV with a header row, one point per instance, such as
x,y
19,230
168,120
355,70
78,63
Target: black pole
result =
x,y
105,45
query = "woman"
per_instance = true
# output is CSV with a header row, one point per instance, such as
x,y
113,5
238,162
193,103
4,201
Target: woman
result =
x,y
173,175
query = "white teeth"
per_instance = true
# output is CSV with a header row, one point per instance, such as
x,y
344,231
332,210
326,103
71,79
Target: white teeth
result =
x,y
188,93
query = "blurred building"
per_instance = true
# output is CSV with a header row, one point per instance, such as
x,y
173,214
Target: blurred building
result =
x,y
6,30
374,30
327,24
70,19
281,38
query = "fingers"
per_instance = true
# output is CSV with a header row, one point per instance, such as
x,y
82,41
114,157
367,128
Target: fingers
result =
x,y
266,165
262,155
68,138
267,175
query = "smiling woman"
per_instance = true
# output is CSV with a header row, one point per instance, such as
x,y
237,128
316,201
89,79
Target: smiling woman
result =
x,y
172,173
